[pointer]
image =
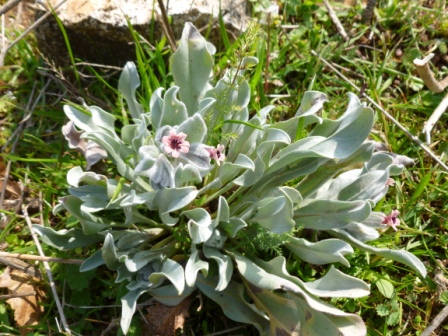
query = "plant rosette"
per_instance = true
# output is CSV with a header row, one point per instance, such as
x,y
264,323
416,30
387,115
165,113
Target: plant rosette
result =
x,y
198,191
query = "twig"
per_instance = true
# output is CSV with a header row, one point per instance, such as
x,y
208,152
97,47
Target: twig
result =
x,y
336,21
27,31
367,14
12,296
9,5
408,134
41,258
21,266
48,271
436,322
427,76
435,116
166,27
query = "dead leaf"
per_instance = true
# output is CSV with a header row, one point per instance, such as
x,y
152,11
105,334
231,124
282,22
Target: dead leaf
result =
x,y
27,310
92,151
165,320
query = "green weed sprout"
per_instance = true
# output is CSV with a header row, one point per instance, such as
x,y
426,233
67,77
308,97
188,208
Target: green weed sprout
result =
x,y
203,197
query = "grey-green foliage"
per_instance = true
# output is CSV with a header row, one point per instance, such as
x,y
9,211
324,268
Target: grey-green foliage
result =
x,y
235,177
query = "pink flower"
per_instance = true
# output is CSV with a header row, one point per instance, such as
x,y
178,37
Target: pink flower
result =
x,y
175,143
217,154
390,182
392,219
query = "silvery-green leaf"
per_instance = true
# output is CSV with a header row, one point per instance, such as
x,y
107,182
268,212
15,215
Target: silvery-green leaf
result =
x,y
273,275
319,181
185,174
229,170
133,199
174,111
328,214
77,175
143,258
263,113
168,294
243,97
361,232
171,271
291,314
320,253
191,66
128,306
215,184
337,284
128,83
194,127
206,106
233,226
123,274
133,216
94,119
199,225
66,239
375,220
137,135
134,238
291,126
194,265
292,193
109,253
274,214
402,160
225,266
368,186
169,200
199,157
284,315
342,141
233,302
161,174
275,138
311,103
354,110
402,256
249,177
91,224
240,114
118,153
246,141
156,105
259,277
216,240
148,156
222,214
92,262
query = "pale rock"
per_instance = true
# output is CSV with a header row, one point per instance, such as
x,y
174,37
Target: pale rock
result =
x,y
98,31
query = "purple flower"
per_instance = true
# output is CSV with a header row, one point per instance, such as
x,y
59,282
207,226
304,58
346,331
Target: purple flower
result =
x,y
392,219
217,154
175,143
